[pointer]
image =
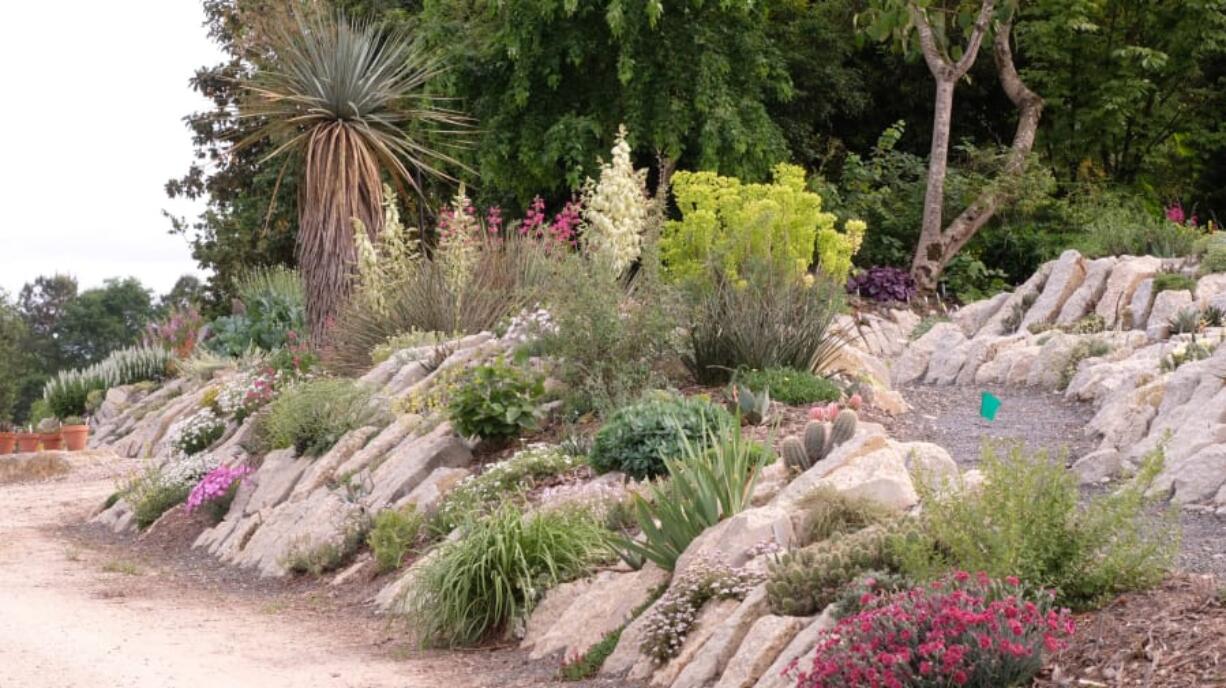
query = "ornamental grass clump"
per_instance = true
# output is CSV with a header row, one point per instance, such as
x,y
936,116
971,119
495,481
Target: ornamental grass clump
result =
x,y
960,630
490,579
312,415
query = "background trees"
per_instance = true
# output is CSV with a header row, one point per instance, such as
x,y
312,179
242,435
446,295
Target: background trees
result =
x,y
1132,90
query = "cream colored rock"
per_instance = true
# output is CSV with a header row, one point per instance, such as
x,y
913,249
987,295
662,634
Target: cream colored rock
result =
x,y
1209,288
762,644
913,362
1125,418
1167,305
709,661
995,324
1067,275
298,528
1125,276
1023,362
869,438
599,609
928,460
1082,302
983,350
406,467
396,433
971,317
429,493
1197,478
1096,466
322,470
732,539
948,359
801,650
549,611
1048,367
906,320
275,480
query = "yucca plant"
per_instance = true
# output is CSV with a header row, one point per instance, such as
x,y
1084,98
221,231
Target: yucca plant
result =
x,y
349,101
710,481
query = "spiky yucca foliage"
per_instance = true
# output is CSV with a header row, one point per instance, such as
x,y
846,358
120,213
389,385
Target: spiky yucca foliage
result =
x,y
341,96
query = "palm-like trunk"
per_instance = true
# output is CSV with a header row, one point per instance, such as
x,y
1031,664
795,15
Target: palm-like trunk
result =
x,y
342,184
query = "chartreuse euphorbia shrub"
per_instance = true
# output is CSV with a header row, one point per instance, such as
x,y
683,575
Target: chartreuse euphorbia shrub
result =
x,y
724,223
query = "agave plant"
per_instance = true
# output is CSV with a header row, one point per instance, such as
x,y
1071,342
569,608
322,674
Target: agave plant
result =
x,y
342,97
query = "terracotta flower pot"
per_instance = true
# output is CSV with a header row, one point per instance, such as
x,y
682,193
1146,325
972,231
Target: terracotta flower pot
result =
x,y
8,442
51,441
75,436
27,442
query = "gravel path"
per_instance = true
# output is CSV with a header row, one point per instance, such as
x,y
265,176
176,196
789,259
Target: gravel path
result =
x,y
949,417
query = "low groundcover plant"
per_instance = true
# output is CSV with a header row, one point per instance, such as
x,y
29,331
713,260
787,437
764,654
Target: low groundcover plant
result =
x,y
960,630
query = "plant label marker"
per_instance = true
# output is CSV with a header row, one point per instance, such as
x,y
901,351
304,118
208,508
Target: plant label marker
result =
x,y
989,404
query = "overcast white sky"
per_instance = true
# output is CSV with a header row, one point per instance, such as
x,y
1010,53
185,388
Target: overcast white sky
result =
x,y
93,99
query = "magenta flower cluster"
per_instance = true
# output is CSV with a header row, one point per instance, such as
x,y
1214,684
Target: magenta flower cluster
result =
x,y
1175,213
178,332
215,485
961,630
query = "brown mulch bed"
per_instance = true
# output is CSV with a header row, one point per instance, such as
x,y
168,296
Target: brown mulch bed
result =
x,y
1172,635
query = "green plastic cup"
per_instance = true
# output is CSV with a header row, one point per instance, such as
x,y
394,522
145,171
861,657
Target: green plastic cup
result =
x,y
989,404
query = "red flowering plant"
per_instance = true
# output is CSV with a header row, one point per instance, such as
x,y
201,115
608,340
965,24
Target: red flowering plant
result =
x,y
960,630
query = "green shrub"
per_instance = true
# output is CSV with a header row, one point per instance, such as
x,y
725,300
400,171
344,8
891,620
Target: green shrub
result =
x,y
765,322
609,338
394,535
489,579
1117,226
312,415
273,313
1026,521
1173,281
711,479
496,401
637,439
504,481
151,494
793,387
1213,258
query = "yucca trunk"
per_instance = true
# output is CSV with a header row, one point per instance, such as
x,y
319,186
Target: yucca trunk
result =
x,y
342,184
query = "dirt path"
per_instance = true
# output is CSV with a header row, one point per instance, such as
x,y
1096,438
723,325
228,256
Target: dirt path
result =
x,y
72,617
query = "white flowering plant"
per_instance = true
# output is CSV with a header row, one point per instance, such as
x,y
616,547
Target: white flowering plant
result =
x,y
669,621
615,210
197,432
502,482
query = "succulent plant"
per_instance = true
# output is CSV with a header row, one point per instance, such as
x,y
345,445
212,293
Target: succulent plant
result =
x,y
818,440
1212,316
48,425
802,582
753,408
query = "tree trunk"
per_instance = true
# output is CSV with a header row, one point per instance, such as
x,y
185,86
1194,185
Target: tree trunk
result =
x,y
927,264
991,199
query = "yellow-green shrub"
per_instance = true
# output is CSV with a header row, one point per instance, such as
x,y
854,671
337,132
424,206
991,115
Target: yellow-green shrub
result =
x,y
725,222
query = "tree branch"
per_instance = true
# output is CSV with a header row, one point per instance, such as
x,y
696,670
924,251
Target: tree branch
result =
x,y
982,22
937,63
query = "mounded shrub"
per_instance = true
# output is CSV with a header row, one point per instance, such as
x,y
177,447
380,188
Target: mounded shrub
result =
x,y
497,401
638,438
312,415
790,386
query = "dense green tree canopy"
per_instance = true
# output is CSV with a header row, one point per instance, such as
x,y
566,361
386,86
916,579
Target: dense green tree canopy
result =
x,y
549,81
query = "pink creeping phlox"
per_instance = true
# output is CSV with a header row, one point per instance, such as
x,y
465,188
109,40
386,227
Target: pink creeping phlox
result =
x,y
215,485
961,630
